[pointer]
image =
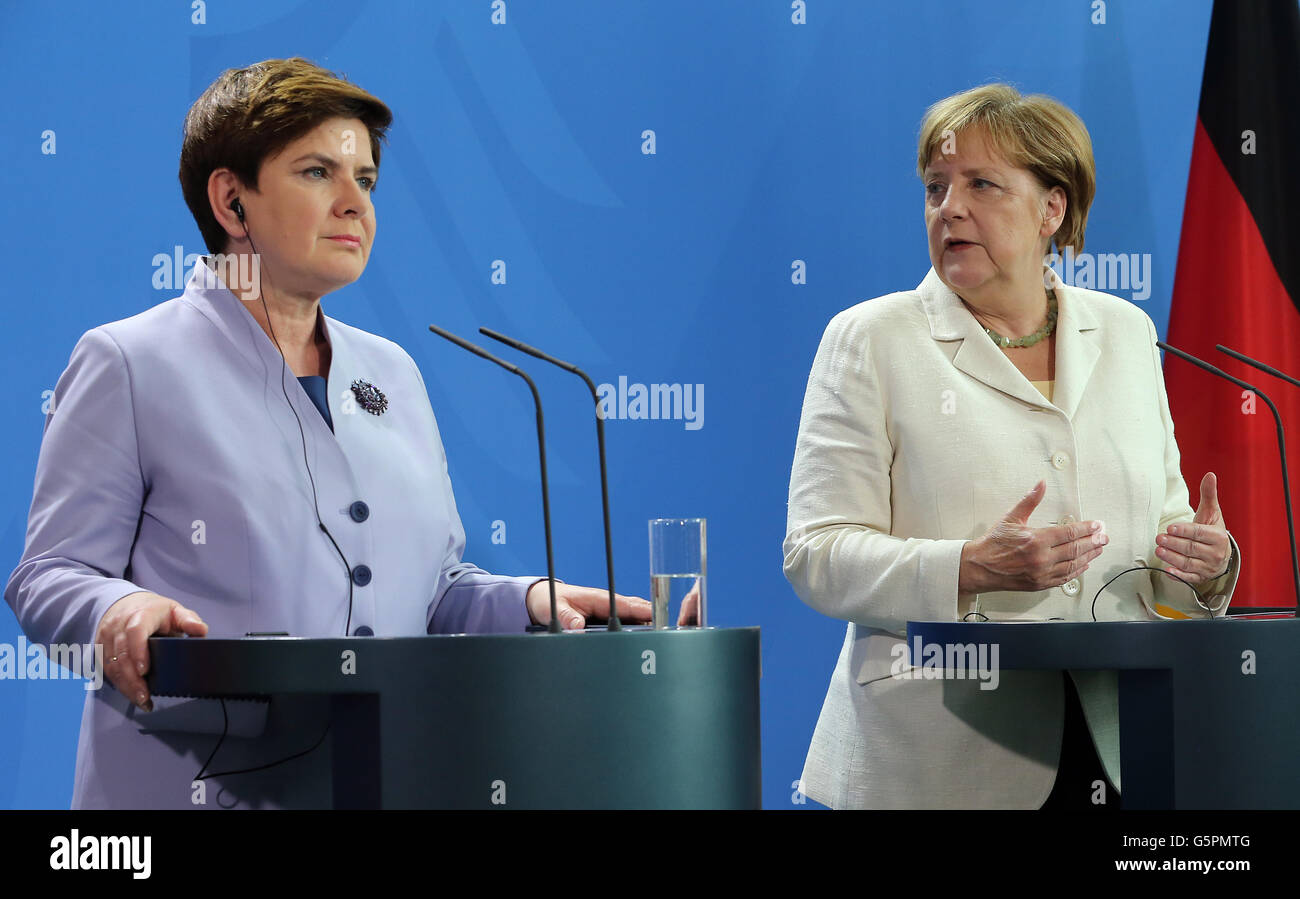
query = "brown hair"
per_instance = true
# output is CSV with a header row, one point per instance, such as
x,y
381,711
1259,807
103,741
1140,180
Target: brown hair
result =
x,y
1035,132
250,114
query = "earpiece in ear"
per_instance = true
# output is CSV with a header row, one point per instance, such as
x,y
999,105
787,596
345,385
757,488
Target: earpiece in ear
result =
x,y
238,208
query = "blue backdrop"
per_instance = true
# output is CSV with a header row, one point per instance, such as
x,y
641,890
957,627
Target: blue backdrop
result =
x,y
651,178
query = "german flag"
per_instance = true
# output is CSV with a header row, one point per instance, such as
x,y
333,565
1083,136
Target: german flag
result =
x,y
1238,283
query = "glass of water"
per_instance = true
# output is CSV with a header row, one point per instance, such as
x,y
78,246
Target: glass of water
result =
x,y
678,569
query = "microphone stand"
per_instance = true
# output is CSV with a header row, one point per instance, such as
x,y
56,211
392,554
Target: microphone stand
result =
x,y
614,624
1281,440
554,626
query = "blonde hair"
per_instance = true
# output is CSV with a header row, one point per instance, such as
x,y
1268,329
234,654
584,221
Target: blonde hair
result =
x,y
1036,133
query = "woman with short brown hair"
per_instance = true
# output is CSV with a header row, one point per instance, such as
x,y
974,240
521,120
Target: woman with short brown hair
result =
x,y
187,484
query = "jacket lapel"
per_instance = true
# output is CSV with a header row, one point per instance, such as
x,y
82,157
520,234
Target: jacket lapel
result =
x,y
1077,349
343,371
979,357
206,292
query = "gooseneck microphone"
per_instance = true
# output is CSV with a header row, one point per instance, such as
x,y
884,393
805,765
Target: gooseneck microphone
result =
x,y
1267,369
600,442
554,626
1281,442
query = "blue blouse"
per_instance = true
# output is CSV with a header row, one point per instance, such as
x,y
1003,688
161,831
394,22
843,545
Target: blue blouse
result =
x,y
315,385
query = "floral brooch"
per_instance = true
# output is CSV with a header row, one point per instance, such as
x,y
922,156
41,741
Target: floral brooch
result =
x,y
370,397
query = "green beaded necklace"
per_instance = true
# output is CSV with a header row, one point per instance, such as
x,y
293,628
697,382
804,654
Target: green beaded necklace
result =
x,y
1029,339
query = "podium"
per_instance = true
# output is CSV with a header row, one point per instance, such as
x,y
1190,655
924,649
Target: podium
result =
x,y
1208,717
633,719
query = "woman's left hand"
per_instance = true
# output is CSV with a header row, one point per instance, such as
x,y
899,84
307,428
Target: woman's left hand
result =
x,y
575,605
1198,551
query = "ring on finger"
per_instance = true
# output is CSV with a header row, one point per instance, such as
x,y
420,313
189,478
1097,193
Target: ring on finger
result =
x,y
119,648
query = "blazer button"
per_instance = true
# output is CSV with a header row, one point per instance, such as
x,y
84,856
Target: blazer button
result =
x,y
1060,460
361,575
359,511
363,631
1071,587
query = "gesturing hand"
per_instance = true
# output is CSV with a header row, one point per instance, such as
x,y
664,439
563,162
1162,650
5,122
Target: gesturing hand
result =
x,y
1014,556
124,632
1199,551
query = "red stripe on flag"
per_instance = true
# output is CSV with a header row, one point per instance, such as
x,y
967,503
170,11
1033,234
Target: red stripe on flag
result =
x,y
1227,291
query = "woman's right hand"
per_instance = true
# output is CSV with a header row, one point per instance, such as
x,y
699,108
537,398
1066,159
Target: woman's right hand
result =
x,y
124,632
1014,556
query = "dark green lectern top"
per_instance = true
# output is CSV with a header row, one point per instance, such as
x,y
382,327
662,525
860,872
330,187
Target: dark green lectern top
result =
x,y
633,719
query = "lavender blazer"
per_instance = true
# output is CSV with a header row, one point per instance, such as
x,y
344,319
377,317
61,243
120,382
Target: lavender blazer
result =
x,y
171,462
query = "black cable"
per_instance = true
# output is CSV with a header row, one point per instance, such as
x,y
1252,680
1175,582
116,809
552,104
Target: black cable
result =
x,y
1149,568
983,618
284,366
1097,595
225,727
347,628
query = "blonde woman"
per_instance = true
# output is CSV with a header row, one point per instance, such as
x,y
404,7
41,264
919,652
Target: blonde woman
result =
x,y
992,445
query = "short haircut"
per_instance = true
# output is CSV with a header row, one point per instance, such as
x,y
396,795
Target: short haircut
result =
x,y
1036,133
248,115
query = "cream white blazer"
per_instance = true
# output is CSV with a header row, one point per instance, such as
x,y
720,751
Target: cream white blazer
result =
x,y
917,435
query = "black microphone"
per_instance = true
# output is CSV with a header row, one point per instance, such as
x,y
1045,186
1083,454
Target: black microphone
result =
x,y
614,624
1281,442
554,626
1267,369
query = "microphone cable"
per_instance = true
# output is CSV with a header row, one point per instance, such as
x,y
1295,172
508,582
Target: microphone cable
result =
x,y
284,365
1209,610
